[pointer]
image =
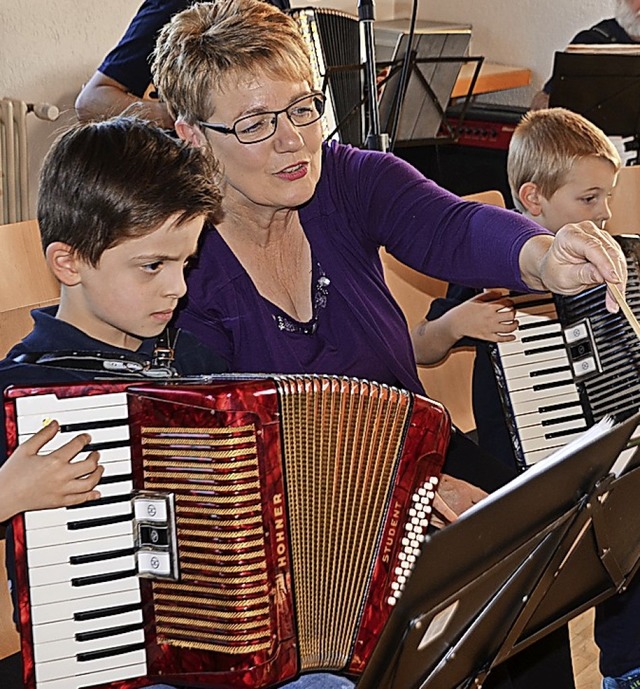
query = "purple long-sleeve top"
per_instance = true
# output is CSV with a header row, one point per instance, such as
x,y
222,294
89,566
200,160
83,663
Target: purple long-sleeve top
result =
x,y
364,200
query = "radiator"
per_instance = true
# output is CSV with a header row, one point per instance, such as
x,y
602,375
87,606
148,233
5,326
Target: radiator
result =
x,y
14,165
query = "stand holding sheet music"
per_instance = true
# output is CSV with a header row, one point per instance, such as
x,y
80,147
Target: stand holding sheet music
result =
x,y
602,83
421,71
515,567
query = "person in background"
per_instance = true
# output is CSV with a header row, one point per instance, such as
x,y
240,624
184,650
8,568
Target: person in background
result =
x,y
123,80
623,28
290,280
561,169
121,206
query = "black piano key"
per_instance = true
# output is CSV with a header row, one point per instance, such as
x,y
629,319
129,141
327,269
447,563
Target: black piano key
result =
x,y
559,406
116,478
107,500
109,652
99,521
98,557
549,371
539,338
88,425
106,445
562,434
531,351
549,386
94,579
563,419
97,614
107,632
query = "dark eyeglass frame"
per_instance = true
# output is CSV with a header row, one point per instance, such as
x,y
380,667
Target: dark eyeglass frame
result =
x,y
223,129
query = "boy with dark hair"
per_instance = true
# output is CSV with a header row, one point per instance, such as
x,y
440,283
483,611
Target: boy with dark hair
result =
x,y
121,208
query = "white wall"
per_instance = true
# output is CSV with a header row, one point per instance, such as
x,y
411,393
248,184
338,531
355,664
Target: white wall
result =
x,y
520,32
48,48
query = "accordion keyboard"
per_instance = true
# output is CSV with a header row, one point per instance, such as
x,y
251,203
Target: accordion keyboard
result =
x,y
80,557
572,363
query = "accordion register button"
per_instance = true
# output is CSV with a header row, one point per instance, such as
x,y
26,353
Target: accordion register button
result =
x,y
584,366
154,563
575,333
150,510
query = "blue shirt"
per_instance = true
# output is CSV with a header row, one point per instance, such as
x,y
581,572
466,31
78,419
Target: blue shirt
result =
x,y
53,335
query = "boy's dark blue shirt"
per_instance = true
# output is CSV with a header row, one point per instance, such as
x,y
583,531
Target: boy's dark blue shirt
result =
x,y
53,335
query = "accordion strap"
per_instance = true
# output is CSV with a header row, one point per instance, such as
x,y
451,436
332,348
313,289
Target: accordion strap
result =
x,y
108,364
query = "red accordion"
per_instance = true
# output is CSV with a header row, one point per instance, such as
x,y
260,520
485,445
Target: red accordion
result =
x,y
249,529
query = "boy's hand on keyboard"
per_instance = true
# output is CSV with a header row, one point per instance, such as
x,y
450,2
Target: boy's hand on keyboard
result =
x,y
488,316
31,481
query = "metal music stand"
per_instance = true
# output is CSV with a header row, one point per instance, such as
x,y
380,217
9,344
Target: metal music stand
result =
x,y
602,86
418,86
504,575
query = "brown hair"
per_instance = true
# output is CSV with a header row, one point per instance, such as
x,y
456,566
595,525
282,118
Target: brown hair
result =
x,y
545,146
213,45
103,182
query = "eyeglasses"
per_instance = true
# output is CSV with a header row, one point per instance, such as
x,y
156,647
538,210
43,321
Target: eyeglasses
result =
x,y
254,128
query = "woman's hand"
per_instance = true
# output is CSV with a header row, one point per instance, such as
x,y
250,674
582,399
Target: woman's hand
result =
x,y
578,257
454,496
29,481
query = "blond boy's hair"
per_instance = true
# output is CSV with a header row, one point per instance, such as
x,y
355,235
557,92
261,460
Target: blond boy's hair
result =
x,y
545,146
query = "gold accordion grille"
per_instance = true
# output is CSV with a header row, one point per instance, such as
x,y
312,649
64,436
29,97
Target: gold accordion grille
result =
x,y
341,439
215,477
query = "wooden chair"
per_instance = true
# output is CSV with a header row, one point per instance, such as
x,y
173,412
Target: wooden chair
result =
x,y
449,381
625,202
25,281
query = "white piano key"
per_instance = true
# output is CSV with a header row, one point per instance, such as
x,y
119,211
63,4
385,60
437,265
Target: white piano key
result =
x,y
44,519
112,674
39,538
546,396
538,358
533,456
67,629
58,553
98,435
71,670
532,403
68,648
115,468
35,405
541,443
65,591
53,611
521,376
64,572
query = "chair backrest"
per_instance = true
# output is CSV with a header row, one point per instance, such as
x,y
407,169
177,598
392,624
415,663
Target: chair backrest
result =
x,y
25,281
625,202
449,381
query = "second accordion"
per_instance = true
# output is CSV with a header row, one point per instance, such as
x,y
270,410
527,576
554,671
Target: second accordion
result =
x,y
249,529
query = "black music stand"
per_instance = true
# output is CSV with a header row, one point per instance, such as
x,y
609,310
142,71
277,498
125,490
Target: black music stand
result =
x,y
603,87
475,596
